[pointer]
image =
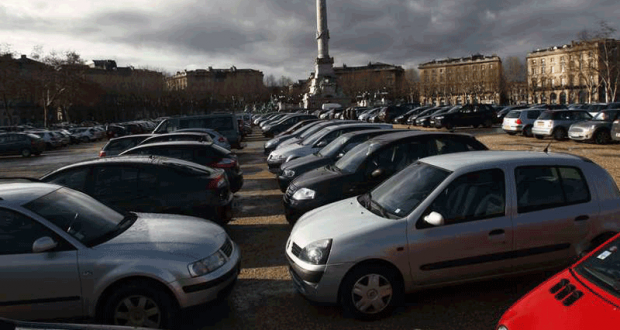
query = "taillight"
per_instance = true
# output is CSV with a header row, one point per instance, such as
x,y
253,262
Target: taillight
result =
x,y
518,122
217,182
224,163
222,139
101,153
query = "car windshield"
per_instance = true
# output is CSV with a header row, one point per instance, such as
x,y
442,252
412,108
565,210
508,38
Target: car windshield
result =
x,y
78,214
546,115
404,191
513,114
356,156
333,147
603,116
311,131
603,267
312,139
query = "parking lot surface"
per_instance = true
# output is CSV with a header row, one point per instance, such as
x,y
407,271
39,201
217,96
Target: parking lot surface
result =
x,y
264,297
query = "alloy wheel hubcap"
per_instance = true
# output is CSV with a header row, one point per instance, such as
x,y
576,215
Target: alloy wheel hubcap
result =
x,y
372,293
137,311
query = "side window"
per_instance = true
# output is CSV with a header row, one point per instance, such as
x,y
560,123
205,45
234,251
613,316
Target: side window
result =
x,y
115,181
181,153
544,187
19,232
447,145
148,179
473,196
330,137
74,179
533,114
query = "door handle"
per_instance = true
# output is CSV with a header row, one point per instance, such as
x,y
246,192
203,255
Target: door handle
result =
x,y
496,232
582,218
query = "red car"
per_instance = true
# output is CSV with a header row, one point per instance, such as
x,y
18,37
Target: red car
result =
x,y
583,296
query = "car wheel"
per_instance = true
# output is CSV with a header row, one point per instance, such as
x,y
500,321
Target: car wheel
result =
x,y
602,137
488,123
26,152
559,134
527,131
540,137
371,292
511,133
475,125
85,139
139,305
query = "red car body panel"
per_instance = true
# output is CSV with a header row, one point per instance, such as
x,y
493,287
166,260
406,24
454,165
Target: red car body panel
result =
x,y
541,309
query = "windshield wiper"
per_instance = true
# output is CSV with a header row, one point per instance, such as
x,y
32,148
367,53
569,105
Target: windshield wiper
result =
x,y
611,282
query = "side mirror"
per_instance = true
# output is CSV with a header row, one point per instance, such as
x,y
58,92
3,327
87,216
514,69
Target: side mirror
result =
x,y
376,173
321,144
340,155
43,244
434,218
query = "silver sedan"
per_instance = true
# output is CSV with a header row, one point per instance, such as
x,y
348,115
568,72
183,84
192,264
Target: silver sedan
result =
x,y
450,219
64,254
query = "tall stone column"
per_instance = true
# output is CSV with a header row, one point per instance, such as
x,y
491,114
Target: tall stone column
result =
x,y
324,63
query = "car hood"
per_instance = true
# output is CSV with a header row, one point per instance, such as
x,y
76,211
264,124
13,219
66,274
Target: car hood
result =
x,y
322,179
174,234
305,163
540,309
339,219
286,149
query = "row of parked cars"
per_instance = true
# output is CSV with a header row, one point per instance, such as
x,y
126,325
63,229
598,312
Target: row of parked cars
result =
x,y
599,123
379,212
125,238
30,141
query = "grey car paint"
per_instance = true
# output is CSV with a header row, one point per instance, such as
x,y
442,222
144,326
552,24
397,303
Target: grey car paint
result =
x,y
157,247
430,257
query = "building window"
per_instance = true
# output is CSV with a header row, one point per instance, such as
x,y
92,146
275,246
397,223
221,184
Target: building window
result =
x,y
562,59
552,82
551,60
533,62
542,61
563,81
563,68
552,71
542,70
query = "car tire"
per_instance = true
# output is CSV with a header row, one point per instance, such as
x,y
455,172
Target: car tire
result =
x,y
488,123
527,131
26,152
130,304
38,153
85,139
602,137
381,286
511,133
475,125
540,137
559,134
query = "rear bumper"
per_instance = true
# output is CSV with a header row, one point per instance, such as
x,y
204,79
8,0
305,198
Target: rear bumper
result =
x,y
542,131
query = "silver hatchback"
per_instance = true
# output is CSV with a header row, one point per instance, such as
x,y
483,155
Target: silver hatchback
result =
x,y
450,219
520,121
65,255
556,123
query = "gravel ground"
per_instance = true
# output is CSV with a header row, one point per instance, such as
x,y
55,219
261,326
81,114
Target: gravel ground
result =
x,y
264,297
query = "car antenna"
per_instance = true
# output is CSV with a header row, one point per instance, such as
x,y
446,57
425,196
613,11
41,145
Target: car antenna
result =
x,y
546,150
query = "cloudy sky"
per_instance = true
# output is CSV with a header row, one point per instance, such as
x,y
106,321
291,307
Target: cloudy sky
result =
x,y
278,36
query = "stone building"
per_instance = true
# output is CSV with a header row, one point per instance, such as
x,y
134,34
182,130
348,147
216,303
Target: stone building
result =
x,y
472,79
375,80
20,89
571,73
220,84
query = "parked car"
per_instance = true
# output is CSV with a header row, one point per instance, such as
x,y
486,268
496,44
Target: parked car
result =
x,y
272,144
315,142
64,139
85,134
557,122
499,116
225,123
203,153
425,120
583,296
150,184
402,119
23,144
117,145
597,130
389,113
367,165
520,121
328,155
183,136
51,140
312,130
296,127
465,115
273,129
451,219
364,116
131,269
274,119
217,138
114,131
412,118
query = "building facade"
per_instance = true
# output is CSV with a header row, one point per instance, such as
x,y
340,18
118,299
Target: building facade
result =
x,y
472,79
572,73
373,81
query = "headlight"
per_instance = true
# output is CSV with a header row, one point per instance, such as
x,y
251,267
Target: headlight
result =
x,y
316,252
289,173
269,143
502,327
593,127
276,156
303,194
207,265
440,117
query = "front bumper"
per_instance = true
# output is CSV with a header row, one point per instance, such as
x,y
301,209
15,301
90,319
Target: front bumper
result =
x,y
580,135
202,289
274,165
283,182
294,209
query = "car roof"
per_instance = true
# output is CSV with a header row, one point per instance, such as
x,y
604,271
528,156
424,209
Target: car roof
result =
x,y
388,138
21,193
175,143
131,136
347,125
475,159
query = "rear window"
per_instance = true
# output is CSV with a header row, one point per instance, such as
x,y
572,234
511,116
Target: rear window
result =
x,y
547,115
513,114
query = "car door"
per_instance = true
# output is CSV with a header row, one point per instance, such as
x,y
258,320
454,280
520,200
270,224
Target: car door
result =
x,y
116,186
36,285
476,237
554,212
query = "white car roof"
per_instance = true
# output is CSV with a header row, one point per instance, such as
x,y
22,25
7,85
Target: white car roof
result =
x,y
483,159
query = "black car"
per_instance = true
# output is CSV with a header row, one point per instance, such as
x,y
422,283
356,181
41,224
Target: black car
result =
x,y
183,136
466,115
202,153
326,156
117,145
21,144
151,184
285,123
304,133
412,119
402,119
114,131
424,120
296,127
387,114
367,165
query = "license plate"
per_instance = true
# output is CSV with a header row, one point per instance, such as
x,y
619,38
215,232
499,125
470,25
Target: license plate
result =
x,y
540,124
506,127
